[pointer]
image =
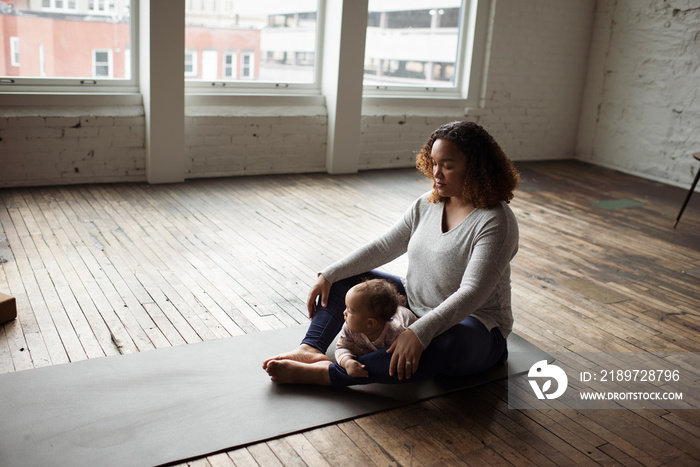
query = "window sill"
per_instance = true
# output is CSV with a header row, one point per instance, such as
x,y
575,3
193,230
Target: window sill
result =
x,y
63,99
254,105
261,99
414,105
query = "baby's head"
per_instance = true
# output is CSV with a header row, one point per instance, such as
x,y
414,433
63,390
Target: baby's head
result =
x,y
370,304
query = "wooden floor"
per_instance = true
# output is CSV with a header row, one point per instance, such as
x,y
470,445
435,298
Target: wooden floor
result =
x,y
107,269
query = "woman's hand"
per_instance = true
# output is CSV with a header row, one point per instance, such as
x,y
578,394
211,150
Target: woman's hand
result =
x,y
321,288
405,355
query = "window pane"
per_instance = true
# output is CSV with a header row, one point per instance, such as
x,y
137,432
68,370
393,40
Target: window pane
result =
x,y
270,41
412,42
103,64
56,38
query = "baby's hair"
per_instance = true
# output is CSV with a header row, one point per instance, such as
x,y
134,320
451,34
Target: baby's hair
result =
x,y
383,298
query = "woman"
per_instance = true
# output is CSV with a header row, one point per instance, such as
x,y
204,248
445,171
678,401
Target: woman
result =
x,y
460,239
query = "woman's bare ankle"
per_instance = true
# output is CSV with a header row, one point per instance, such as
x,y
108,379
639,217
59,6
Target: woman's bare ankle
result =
x,y
309,348
303,354
294,372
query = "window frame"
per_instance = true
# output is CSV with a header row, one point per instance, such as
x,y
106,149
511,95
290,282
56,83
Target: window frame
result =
x,y
206,56
468,11
472,51
14,51
63,9
233,66
248,65
194,53
109,63
243,86
100,7
84,84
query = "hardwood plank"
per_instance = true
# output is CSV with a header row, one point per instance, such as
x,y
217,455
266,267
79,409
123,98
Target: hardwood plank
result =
x,y
336,447
285,453
433,425
263,455
367,444
305,450
220,460
242,458
398,449
6,365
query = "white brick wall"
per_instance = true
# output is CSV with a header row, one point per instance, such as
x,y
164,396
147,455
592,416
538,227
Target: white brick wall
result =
x,y
536,75
78,148
225,141
641,111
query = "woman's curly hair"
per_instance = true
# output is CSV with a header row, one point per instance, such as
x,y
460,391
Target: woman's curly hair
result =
x,y
491,175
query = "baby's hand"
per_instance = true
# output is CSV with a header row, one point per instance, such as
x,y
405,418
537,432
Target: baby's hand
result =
x,y
356,369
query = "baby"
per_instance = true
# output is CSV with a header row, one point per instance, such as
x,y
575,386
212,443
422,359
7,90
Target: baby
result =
x,y
375,315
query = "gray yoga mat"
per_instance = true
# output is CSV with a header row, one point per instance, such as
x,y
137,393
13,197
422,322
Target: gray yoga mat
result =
x,y
167,405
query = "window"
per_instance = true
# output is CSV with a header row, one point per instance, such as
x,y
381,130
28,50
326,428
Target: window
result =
x,y
414,44
230,65
102,63
190,63
14,51
248,65
67,43
42,68
210,64
59,5
101,6
127,61
260,43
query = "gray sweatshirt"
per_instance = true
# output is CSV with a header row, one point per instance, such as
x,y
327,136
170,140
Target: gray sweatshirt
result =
x,y
451,275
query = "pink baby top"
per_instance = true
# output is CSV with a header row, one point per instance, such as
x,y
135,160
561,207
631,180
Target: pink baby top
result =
x,y
352,344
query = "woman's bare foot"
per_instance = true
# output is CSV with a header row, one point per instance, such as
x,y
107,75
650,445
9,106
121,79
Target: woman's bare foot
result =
x,y
303,354
294,372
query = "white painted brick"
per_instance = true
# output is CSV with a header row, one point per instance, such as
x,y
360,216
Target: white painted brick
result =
x,y
372,120
641,95
88,132
62,122
193,141
316,139
296,139
257,130
24,122
97,121
135,122
110,132
89,143
217,140
315,121
32,132
212,130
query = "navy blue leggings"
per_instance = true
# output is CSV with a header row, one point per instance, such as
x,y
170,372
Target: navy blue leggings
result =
x,y
465,349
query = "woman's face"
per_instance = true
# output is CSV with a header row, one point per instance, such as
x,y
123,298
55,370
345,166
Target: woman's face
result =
x,y
449,168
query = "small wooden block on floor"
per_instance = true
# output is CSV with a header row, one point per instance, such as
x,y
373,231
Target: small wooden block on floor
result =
x,y
8,308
